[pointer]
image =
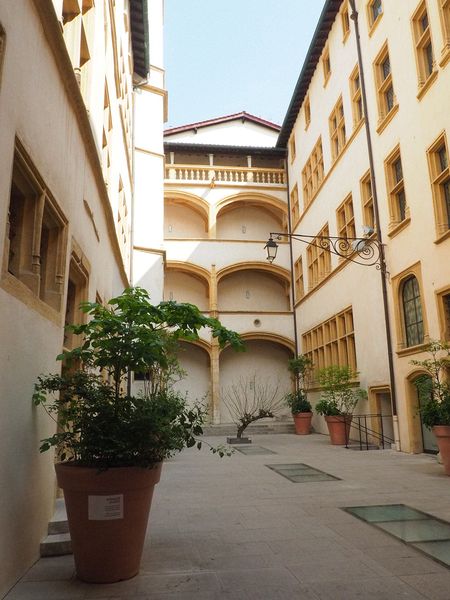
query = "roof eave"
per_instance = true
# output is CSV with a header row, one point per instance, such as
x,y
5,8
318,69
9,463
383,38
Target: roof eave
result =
x,y
140,37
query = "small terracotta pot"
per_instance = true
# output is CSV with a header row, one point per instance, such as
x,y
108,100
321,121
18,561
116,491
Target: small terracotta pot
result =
x,y
339,429
302,422
107,513
442,433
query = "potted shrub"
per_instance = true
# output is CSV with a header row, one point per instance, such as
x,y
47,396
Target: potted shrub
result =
x,y
338,400
434,389
301,369
110,444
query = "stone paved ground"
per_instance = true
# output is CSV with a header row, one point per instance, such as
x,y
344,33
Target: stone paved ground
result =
x,y
233,529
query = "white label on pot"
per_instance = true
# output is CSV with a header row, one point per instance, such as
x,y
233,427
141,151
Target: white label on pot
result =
x,y
105,508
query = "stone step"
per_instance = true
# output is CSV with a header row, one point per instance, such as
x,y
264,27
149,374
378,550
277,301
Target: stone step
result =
x,y
57,544
58,523
229,429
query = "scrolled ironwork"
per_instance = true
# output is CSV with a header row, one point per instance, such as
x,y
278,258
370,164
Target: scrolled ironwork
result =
x,y
362,251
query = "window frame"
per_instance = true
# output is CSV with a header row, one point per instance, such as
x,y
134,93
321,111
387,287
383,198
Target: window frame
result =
x,y
383,84
299,281
356,97
373,20
345,22
444,14
318,260
394,187
295,206
367,201
345,221
422,40
326,65
313,173
338,133
439,177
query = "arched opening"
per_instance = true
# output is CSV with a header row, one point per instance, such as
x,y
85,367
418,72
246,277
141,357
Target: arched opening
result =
x,y
422,439
264,358
185,284
194,361
412,312
250,216
185,217
254,289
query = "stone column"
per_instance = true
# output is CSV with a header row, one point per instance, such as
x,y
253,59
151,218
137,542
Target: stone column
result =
x,y
215,382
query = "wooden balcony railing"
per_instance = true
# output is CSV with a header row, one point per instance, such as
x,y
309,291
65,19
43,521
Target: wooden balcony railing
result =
x,y
218,174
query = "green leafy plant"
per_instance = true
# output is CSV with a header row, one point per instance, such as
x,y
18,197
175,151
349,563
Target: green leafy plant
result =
x,y
433,385
98,423
339,396
298,402
301,368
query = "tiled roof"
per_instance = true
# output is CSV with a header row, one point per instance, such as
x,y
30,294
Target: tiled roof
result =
x,y
244,116
223,149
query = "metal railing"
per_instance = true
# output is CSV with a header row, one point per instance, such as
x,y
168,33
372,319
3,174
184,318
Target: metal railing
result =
x,y
368,431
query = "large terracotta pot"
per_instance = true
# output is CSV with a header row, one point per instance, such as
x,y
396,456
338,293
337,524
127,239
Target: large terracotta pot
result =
x,y
107,513
302,422
442,433
339,429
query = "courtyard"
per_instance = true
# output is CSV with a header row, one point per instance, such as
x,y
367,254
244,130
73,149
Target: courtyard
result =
x,y
234,529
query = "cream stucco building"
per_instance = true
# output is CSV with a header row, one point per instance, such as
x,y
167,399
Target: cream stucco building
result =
x,y
93,198
76,76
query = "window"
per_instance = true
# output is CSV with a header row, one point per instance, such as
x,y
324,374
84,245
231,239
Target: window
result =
x,y
77,290
398,209
374,13
440,183
367,201
106,137
298,279
292,150
412,312
78,30
337,129
326,65
385,87
319,259
295,208
332,342
313,173
444,6
423,45
36,234
346,219
355,94
307,112
443,300
345,20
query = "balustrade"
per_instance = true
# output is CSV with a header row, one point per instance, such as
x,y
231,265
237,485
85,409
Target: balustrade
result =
x,y
225,174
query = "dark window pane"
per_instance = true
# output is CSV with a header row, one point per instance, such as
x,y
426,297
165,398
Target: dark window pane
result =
x,y
429,59
398,171
424,22
412,312
386,67
446,187
389,95
377,9
443,158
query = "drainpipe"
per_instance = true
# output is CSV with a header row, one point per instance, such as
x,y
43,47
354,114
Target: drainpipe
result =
x,y
291,258
383,273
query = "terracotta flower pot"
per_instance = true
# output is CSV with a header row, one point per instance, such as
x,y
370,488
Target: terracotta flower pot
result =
x,y
302,422
107,513
442,433
339,429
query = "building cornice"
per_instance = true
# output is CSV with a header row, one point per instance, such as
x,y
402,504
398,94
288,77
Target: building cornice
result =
x,y
224,149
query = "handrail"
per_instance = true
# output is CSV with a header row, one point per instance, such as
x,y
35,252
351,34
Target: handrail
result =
x,y
364,432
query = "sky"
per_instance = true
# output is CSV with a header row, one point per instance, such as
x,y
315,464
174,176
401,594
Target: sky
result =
x,y
227,56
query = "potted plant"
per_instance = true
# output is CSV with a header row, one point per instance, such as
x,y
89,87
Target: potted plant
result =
x,y
434,389
301,370
110,444
338,400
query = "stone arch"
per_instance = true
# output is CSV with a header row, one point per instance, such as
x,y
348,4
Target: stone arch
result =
x,y
186,203
188,293
249,216
253,286
195,359
412,411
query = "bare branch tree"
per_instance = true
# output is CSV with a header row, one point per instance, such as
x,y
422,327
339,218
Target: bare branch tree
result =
x,y
250,399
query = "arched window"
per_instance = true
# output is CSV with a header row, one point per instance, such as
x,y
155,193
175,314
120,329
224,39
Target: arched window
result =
x,y
412,312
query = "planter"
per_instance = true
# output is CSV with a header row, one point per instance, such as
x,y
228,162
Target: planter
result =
x,y
442,433
339,429
107,513
302,422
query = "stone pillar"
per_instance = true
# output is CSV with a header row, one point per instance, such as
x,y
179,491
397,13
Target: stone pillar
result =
x,y
212,222
213,292
215,382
